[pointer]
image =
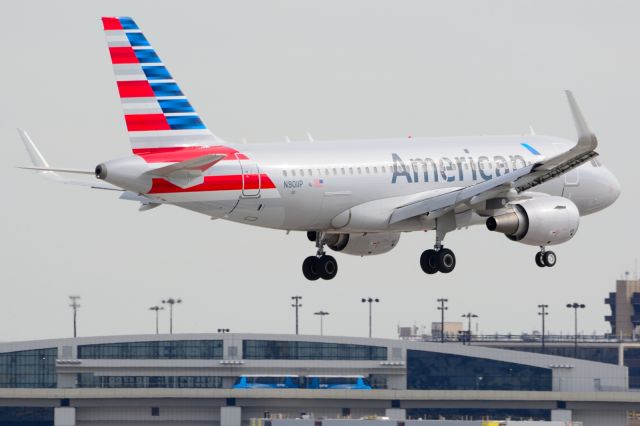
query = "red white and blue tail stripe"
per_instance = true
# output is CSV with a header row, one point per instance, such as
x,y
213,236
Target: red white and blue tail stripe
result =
x,y
157,114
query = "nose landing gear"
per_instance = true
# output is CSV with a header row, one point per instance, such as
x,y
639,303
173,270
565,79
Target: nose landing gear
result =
x,y
545,258
321,265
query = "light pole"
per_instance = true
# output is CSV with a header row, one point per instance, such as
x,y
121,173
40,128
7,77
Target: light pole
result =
x,y
171,301
321,314
442,308
543,313
74,305
370,301
575,306
157,309
223,330
468,316
296,305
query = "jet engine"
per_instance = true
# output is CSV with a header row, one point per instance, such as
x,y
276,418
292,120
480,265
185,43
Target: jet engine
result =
x,y
538,221
363,244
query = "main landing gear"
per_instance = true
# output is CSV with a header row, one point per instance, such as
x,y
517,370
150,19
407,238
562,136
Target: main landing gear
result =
x,y
545,258
321,265
438,259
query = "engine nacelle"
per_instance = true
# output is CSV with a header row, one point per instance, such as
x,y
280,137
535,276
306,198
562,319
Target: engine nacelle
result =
x,y
540,221
363,244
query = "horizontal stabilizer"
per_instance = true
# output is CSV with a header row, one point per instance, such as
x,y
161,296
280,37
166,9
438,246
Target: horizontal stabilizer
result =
x,y
51,169
189,172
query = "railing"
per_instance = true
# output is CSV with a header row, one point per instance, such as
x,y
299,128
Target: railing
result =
x,y
523,338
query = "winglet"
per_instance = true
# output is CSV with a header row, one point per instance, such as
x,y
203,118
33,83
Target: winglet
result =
x,y
586,138
37,159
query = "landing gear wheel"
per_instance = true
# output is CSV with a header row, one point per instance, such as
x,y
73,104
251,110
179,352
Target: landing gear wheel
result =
x,y
445,260
327,267
539,260
428,261
549,259
310,268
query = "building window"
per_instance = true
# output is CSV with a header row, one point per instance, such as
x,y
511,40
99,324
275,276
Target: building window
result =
x,y
155,411
28,369
441,371
275,349
175,349
89,380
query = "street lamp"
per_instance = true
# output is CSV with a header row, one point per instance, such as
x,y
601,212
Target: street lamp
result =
x,y
543,313
157,309
223,330
171,301
296,305
575,306
74,305
442,308
370,301
469,316
321,314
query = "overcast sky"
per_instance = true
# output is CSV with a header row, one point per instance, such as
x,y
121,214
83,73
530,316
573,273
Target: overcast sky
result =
x,y
265,69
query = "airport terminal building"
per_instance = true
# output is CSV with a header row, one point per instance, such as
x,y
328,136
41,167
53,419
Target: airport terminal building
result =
x,y
187,379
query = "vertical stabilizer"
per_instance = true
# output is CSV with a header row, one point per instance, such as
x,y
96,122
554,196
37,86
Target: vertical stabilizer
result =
x,y
158,116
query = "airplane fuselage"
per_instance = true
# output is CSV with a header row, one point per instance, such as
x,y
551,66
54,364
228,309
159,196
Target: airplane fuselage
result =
x,y
308,185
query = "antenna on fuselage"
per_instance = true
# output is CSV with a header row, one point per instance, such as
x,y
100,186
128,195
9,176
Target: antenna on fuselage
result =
x,y
309,137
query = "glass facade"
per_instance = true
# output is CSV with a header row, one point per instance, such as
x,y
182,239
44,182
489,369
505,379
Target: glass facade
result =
x,y
632,361
26,416
276,349
88,380
439,371
607,355
28,369
173,349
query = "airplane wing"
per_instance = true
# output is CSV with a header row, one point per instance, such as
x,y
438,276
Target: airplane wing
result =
x,y
515,181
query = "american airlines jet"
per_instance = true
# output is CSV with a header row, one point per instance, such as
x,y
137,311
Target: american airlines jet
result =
x,y
352,196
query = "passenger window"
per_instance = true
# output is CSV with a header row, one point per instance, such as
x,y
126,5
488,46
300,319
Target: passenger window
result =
x,y
383,169
335,172
284,173
375,170
366,169
293,172
326,172
350,170
310,172
359,170
342,170
301,172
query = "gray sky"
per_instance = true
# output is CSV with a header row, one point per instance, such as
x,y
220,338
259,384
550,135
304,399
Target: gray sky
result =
x,y
266,69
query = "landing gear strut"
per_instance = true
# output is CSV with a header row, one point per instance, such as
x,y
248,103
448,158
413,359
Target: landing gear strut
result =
x,y
545,258
321,265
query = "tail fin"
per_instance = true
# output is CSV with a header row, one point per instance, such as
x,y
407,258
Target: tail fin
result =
x,y
157,114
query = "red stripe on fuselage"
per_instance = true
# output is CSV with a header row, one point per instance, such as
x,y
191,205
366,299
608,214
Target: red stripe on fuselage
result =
x,y
123,55
213,183
177,154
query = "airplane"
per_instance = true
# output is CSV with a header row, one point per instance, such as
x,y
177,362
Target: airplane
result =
x,y
353,196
